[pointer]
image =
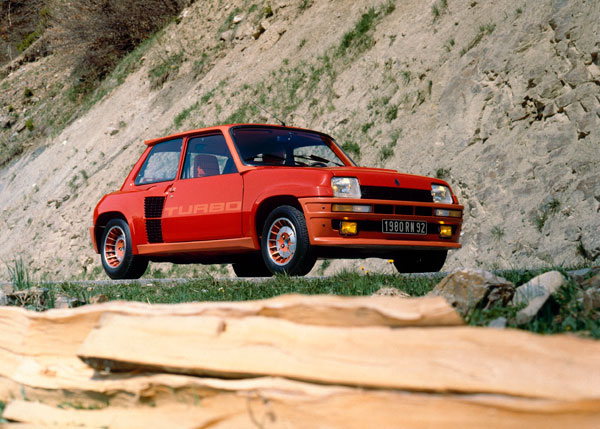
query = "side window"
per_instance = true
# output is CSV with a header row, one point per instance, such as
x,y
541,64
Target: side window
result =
x,y
161,163
207,156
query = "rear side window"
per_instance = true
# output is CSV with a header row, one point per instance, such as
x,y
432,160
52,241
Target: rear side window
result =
x,y
161,164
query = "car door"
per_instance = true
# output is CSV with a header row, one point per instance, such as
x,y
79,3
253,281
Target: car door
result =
x,y
205,203
152,182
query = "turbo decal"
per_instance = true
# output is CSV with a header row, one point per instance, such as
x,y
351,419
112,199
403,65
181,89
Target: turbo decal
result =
x,y
202,209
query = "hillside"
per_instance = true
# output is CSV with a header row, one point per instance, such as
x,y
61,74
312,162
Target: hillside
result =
x,y
500,98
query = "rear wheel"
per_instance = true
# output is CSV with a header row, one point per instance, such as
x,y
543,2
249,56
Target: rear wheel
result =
x,y
118,259
285,243
251,266
423,261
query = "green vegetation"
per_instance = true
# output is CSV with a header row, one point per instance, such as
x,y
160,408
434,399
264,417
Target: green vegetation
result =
x,y
442,173
243,114
391,113
564,314
367,126
449,44
484,30
96,38
41,26
497,232
386,152
29,124
352,148
305,4
167,67
184,114
438,9
18,274
551,207
2,406
228,23
406,76
360,38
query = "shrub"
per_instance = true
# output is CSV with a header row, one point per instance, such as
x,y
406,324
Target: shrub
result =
x,y
95,35
352,148
391,113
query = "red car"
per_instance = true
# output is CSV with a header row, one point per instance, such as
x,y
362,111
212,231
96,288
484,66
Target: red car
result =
x,y
269,199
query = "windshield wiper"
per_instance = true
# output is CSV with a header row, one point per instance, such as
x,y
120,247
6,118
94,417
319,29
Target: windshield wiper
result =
x,y
318,159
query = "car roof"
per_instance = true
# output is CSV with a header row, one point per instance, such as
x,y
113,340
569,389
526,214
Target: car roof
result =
x,y
222,128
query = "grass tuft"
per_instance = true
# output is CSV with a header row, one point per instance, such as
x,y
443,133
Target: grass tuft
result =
x,y
19,274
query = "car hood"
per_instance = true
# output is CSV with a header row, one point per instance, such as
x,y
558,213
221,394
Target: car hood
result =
x,y
384,177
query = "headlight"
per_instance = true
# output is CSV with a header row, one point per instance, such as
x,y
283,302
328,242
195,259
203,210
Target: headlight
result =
x,y
345,187
441,194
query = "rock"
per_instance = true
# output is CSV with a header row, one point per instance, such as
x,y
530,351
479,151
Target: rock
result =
x,y
64,301
550,110
227,36
577,76
535,293
3,299
468,289
5,122
97,299
590,239
518,113
33,296
594,281
591,302
237,19
391,291
499,323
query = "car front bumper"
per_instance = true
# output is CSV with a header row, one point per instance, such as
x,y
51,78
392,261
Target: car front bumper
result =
x,y
323,224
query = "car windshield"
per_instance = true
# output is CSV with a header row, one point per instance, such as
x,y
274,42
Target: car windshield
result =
x,y
282,146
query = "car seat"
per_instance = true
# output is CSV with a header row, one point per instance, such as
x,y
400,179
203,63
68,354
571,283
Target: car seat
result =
x,y
205,165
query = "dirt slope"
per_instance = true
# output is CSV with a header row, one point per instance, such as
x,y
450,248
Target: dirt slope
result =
x,y
500,98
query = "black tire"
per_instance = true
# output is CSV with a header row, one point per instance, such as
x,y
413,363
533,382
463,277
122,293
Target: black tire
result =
x,y
423,261
285,244
118,259
251,266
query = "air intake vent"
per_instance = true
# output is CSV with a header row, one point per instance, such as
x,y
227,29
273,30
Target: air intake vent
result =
x,y
154,231
153,207
395,194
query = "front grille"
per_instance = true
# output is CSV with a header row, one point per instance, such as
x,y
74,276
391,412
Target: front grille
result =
x,y
154,231
153,207
395,194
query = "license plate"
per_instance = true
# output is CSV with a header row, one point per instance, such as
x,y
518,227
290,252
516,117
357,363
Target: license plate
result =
x,y
390,226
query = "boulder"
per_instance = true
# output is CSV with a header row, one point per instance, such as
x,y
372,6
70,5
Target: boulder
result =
x,y
498,323
468,289
535,293
3,299
591,302
5,121
391,291
64,301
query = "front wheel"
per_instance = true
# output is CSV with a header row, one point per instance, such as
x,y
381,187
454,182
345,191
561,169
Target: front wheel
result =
x,y
118,259
423,261
285,243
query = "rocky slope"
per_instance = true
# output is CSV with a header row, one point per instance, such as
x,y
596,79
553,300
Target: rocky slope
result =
x,y
500,98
